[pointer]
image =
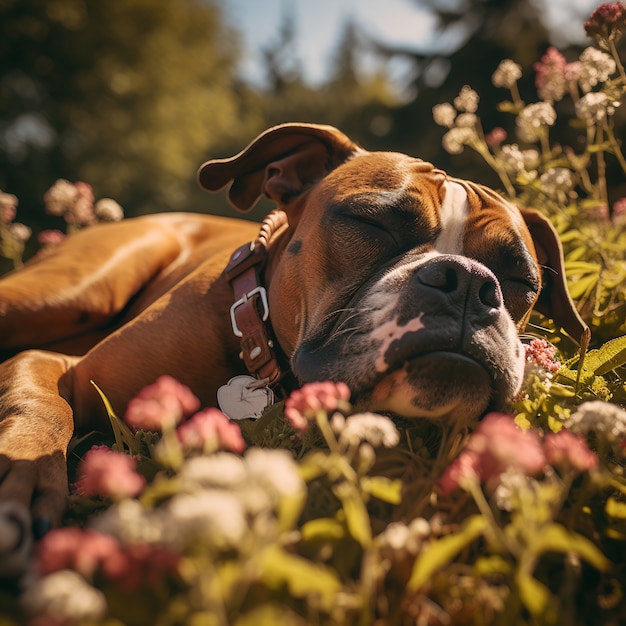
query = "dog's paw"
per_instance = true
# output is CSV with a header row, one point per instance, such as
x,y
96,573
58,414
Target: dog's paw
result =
x,y
16,539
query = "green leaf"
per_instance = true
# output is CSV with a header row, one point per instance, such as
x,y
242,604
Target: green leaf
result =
x,y
266,615
314,465
556,538
581,267
509,107
488,565
610,355
599,147
289,510
124,436
324,529
583,286
534,595
383,488
441,552
302,577
357,518
615,508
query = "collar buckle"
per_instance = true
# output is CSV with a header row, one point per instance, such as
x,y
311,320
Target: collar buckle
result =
x,y
262,292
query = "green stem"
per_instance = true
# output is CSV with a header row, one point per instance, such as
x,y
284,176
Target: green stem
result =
x,y
517,100
615,146
497,534
618,61
601,163
496,167
321,418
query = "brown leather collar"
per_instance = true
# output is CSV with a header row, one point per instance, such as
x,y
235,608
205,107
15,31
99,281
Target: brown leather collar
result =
x,y
249,314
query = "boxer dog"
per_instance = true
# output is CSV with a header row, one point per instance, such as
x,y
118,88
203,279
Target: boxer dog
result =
x,y
376,269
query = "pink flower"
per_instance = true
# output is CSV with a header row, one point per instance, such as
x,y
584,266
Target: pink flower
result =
x,y
303,403
573,71
496,136
606,21
105,472
74,548
89,552
50,237
599,212
569,450
140,565
542,353
550,75
82,212
162,404
496,444
211,430
619,211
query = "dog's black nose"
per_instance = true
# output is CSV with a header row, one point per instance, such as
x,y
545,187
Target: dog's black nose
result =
x,y
462,278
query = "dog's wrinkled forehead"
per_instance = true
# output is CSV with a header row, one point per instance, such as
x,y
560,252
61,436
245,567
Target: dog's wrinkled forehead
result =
x,y
408,191
385,172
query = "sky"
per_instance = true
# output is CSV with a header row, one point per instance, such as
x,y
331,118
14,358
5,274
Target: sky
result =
x,y
319,24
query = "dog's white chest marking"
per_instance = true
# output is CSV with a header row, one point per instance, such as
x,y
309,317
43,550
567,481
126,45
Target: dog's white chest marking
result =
x,y
454,212
389,332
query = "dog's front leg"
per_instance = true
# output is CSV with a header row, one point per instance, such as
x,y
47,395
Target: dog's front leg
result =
x,y
36,425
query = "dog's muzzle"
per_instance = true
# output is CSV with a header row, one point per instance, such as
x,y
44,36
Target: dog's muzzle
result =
x,y
429,338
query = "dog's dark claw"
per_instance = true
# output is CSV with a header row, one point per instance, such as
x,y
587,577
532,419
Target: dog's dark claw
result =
x,y
40,527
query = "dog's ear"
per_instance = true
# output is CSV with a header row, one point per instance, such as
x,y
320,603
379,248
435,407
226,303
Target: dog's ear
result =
x,y
554,300
281,163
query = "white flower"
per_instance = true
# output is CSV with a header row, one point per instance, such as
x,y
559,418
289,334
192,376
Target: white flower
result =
x,y
375,429
108,210
213,514
401,538
556,182
467,100
64,596
514,483
533,118
274,470
506,74
466,120
130,522
595,67
20,232
221,469
603,418
61,197
512,158
454,140
594,107
444,114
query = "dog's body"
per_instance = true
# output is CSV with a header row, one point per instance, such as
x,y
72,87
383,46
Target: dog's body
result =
x,y
406,284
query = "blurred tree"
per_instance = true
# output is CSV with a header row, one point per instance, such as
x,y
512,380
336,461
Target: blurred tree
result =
x,y
350,99
129,96
474,36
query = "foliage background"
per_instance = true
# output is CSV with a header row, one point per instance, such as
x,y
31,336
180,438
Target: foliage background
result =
x,y
132,96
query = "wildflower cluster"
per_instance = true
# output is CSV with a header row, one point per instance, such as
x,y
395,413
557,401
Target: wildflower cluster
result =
x,y
241,535
13,235
568,181
74,202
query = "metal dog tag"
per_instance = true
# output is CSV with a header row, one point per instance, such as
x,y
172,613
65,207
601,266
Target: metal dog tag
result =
x,y
244,397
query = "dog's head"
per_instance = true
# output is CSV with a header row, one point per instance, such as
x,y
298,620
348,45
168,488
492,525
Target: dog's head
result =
x,y
407,284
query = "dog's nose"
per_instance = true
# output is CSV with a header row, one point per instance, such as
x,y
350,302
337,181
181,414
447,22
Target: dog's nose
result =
x,y
461,278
